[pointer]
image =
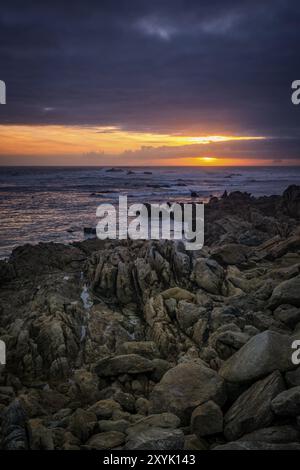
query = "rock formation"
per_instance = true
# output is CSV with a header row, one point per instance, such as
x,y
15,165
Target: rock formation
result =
x,y
144,345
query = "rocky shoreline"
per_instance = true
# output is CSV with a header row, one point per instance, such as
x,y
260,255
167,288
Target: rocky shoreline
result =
x,y
143,345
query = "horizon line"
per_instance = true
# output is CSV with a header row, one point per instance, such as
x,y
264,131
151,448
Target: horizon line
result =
x,y
149,166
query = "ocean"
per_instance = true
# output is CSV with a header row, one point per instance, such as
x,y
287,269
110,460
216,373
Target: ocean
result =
x,y
43,204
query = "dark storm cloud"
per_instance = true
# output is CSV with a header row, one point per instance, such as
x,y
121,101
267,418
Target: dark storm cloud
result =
x,y
164,66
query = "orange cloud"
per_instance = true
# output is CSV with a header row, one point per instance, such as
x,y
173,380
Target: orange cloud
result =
x,y
73,140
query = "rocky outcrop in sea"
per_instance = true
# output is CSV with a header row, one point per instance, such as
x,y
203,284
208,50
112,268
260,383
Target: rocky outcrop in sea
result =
x,y
144,345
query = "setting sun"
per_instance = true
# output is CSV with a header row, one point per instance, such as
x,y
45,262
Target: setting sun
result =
x,y
207,159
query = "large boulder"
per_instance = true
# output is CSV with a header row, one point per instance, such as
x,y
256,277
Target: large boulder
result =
x,y
107,425
262,354
185,387
142,348
105,409
258,445
287,292
252,410
232,253
156,439
287,403
82,424
163,420
105,440
126,400
207,419
274,434
287,314
123,364
178,293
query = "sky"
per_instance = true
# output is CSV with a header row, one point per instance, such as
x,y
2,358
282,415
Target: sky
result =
x,y
138,82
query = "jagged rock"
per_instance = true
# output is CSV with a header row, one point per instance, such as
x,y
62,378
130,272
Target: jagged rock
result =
x,y
7,395
263,322
15,429
126,400
160,368
31,403
86,386
42,401
7,272
70,442
292,378
281,247
207,419
252,410
288,315
59,369
163,420
161,329
287,292
262,354
82,424
115,273
291,201
105,440
142,406
105,333
124,289
178,293
257,445
185,387
187,314
171,305
104,408
274,434
251,330
226,343
123,364
60,419
231,254
156,439
119,425
192,442
287,403
208,275
252,237
143,348
201,332
66,309
29,260
42,438
103,273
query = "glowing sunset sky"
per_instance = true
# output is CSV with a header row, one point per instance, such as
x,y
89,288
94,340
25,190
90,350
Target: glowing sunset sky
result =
x,y
149,83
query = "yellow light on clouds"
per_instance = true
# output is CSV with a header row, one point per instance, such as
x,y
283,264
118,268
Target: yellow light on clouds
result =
x,y
76,140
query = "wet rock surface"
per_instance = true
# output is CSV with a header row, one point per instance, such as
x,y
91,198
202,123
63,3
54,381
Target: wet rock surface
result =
x,y
144,345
